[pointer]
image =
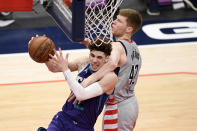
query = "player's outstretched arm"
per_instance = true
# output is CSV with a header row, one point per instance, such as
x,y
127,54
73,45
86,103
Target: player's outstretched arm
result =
x,y
73,64
81,93
105,85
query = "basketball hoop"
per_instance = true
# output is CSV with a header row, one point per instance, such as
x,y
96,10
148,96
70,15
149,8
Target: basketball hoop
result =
x,y
99,17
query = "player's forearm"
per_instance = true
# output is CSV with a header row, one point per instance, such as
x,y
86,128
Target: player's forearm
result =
x,y
80,92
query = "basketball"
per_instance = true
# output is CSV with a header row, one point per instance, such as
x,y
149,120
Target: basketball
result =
x,y
40,47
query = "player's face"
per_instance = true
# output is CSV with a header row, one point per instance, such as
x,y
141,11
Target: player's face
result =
x,y
119,26
97,60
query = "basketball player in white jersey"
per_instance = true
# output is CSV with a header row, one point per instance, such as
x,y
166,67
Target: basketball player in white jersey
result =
x,y
126,55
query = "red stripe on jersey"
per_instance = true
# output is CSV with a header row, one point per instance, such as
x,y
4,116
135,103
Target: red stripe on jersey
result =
x,y
116,129
110,100
130,41
112,121
111,112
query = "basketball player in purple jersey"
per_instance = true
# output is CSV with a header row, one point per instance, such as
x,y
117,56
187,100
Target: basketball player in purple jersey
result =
x,y
83,116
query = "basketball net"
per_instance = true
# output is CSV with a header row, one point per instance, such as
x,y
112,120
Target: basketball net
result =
x,y
99,17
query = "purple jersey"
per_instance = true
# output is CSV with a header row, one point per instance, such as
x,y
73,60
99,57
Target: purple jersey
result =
x,y
85,114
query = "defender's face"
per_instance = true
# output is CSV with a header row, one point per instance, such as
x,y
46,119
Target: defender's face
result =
x,y
97,60
119,26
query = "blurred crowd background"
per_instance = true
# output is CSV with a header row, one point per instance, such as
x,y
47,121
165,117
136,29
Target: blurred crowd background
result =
x,y
150,9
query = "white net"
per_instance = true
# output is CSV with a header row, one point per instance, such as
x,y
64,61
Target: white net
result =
x,y
99,17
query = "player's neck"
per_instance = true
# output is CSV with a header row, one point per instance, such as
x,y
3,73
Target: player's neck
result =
x,y
127,38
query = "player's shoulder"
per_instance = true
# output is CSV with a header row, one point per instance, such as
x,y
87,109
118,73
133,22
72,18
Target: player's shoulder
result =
x,y
82,62
117,46
78,63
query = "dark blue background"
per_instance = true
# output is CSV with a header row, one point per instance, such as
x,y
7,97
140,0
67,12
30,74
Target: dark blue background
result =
x,y
16,40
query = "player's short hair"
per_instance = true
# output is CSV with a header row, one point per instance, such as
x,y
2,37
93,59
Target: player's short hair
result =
x,y
105,45
134,18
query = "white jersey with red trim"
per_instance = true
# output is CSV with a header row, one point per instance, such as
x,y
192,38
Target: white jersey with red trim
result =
x,y
128,73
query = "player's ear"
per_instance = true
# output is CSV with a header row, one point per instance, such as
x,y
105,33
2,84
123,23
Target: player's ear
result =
x,y
129,29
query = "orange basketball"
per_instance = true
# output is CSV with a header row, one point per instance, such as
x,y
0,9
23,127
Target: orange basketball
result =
x,y
40,47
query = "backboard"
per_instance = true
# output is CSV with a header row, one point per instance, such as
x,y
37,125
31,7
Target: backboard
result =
x,y
69,15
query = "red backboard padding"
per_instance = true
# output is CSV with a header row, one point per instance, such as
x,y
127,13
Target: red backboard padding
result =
x,y
16,5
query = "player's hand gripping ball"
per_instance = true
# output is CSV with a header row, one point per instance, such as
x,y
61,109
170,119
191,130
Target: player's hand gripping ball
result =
x,y
40,47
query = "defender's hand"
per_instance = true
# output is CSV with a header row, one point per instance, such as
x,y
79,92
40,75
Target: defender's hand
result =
x,y
85,42
71,97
